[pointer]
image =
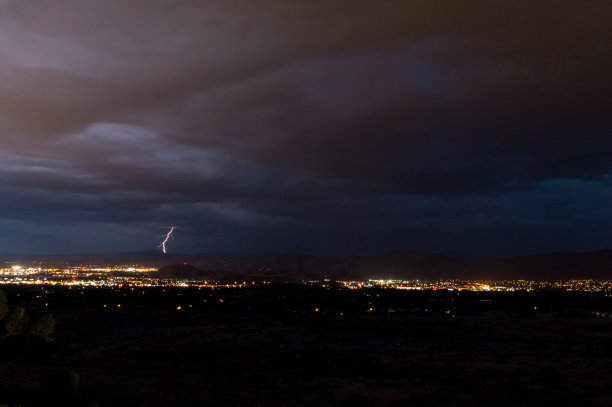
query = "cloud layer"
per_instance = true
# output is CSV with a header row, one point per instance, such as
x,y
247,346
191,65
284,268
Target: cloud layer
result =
x,y
305,126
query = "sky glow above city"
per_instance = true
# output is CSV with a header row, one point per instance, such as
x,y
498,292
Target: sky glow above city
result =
x,y
320,127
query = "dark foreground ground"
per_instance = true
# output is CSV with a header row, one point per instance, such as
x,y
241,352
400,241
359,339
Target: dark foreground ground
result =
x,y
307,346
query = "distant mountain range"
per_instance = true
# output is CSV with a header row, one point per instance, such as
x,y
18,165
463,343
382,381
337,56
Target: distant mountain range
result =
x,y
397,264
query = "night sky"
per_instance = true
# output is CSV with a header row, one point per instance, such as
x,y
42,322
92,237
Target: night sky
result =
x,y
312,126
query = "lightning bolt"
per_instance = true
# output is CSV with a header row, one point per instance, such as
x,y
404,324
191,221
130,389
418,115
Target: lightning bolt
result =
x,y
168,236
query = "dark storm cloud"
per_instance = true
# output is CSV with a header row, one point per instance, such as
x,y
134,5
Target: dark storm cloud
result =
x,y
397,123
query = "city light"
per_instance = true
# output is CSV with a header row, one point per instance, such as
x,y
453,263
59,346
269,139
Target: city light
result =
x,y
91,275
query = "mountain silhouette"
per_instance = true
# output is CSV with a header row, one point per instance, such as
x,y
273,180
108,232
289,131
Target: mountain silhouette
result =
x,y
396,264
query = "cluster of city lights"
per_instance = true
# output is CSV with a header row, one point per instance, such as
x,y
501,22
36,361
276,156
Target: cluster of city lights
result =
x,y
112,276
484,285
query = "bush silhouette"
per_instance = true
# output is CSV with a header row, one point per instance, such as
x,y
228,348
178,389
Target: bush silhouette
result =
x,y
3,305
17,322
43,328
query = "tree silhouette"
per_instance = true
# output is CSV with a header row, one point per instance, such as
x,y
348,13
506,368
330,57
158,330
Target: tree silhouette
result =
x,y
19,337
17,323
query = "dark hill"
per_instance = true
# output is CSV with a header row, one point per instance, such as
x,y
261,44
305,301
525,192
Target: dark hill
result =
x,y
397,264
179,272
